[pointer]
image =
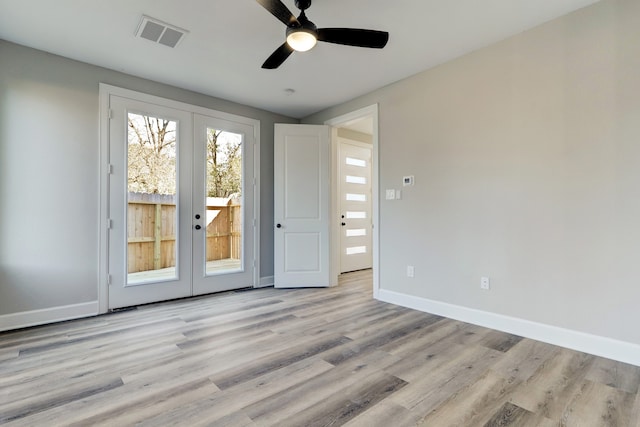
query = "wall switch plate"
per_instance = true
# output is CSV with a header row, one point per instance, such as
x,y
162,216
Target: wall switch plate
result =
x,y
410,271
485,283
398,194
391,195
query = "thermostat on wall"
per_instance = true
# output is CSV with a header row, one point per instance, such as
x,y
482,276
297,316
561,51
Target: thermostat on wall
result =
x,y
407,180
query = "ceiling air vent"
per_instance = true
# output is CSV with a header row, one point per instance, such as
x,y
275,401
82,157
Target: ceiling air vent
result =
x,y
159,32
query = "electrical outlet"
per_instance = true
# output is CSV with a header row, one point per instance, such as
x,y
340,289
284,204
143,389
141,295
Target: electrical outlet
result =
x,y
410,271
484,283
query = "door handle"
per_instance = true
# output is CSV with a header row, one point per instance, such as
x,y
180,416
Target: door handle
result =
x,y
278,225
198,227
344,223
197,216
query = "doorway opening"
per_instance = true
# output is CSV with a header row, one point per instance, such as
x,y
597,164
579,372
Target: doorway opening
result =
x,y
355,201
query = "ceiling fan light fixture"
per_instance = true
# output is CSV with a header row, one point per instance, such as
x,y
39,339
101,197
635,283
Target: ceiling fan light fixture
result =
x,y
301,39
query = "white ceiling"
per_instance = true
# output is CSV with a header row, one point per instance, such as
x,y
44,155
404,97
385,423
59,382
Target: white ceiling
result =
x,y
229,40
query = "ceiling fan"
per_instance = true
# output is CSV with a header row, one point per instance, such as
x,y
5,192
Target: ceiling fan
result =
x,y
302,34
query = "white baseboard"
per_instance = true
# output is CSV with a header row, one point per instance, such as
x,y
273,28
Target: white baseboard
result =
x,y
265,282
47,315
593,344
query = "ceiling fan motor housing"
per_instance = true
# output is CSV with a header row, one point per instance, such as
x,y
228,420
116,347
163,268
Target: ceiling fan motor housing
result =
x,y
303,4
305,25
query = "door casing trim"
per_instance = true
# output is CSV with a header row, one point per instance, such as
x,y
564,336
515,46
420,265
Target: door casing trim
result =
x,y
372,111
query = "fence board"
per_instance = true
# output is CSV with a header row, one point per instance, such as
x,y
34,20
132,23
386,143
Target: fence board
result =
x,y
152,225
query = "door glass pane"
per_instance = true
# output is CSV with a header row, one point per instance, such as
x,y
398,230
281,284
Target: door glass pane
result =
x,y
151,201
355,179
224,213
356,215
356,162
357,250
356,197
356,232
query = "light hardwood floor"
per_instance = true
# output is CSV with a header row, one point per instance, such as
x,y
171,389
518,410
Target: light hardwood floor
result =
x,y
306,357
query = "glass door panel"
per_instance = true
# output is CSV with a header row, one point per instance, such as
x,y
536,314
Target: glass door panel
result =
x,y
151,193
223,247
223,205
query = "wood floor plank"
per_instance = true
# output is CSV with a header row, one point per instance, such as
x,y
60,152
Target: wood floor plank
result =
x,y
301,357
209,410
500,341
615,374
350,402
635,416
28,407
524,359
229,378
475,404
280,407
131,406
595,401
551,388
512,415
427,392
386,413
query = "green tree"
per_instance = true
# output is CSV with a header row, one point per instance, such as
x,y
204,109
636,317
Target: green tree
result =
x,y
152,158
151,155
224,164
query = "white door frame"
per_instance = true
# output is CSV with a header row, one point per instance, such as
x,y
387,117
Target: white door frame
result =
x,y
105,91
370,111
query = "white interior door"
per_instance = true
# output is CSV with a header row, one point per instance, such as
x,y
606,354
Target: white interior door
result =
x,y
355,205
181,207
301,206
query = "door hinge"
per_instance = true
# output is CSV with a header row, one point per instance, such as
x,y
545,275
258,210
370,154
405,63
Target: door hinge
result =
x,y
109,224
110,113
109,279
109,169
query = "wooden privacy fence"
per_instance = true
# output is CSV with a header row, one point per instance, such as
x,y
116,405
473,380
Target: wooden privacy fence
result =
x,y
151,230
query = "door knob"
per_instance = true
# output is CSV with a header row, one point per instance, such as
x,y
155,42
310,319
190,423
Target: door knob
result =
x,y
279,225
197,216
344,223
198,227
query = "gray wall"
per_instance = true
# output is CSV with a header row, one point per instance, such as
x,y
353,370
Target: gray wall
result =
x,y
49,183
526,156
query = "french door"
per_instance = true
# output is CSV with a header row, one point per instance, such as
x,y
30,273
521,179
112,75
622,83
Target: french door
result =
x,y
181,203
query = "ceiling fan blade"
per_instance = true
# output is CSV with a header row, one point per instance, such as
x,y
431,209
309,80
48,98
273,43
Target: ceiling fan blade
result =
x,y
354,37
278,57
280,11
